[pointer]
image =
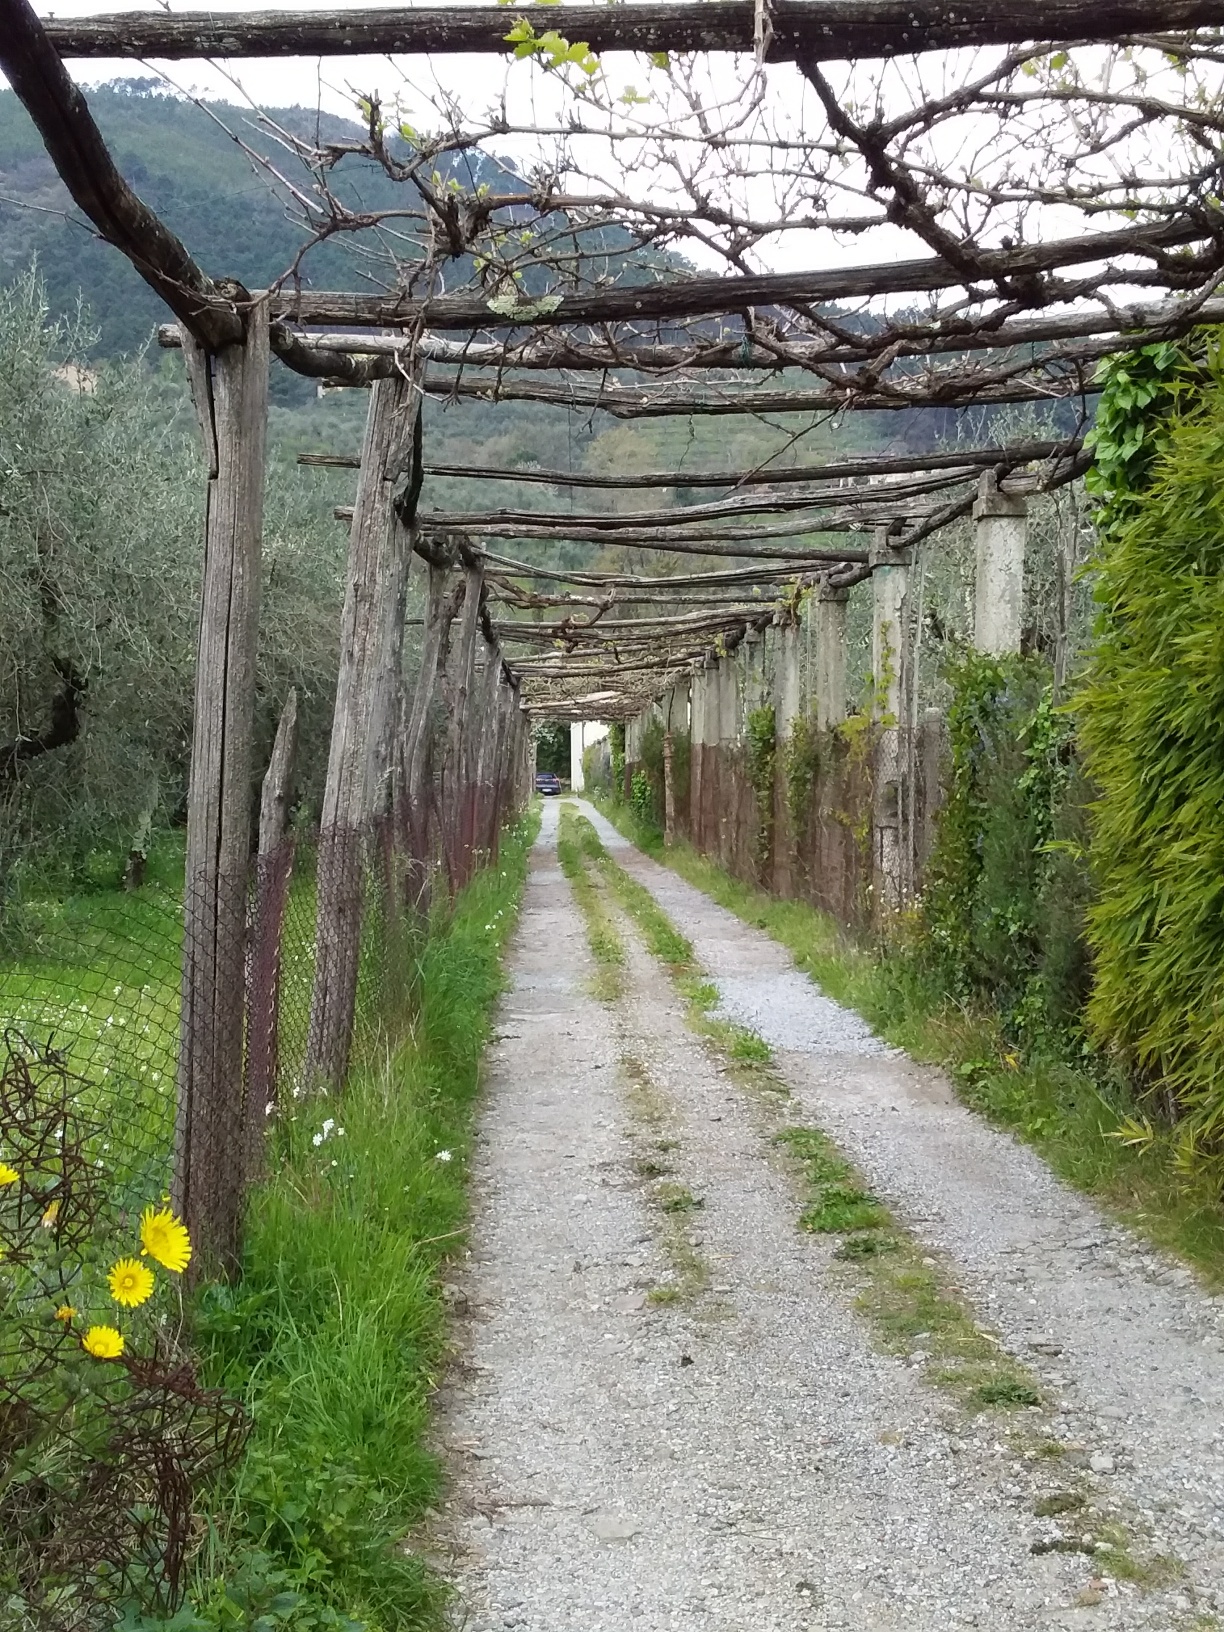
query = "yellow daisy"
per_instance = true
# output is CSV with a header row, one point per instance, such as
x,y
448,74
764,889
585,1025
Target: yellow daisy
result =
x,y
164,1237
8,1175
65,1312
103,1342
130,1282
51,1214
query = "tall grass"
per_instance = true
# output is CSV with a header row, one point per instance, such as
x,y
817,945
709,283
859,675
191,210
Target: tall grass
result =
x,y
335,1333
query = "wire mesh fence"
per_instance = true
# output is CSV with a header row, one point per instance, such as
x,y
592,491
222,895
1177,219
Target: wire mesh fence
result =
x,y
124,1094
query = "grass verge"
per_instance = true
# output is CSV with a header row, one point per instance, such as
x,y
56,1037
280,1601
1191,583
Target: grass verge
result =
x,y
335,1334
1072,1114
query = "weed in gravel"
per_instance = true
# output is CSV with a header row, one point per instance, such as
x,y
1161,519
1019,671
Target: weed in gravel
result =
x,y
1058,1501
1007,1391
676,1198
843,1208
902,1293
647,1167
870,1244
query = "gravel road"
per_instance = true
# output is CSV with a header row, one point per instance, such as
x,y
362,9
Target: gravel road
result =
x,y
743,1459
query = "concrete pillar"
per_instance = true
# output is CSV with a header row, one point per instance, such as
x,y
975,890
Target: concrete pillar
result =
x,y
577,779
831,610
699,712
890,584
728,701
1001,525
752,669
788,679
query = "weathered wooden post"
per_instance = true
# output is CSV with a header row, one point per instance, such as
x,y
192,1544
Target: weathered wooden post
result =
x,y
457,770
367,693
441,607
230,387
274,871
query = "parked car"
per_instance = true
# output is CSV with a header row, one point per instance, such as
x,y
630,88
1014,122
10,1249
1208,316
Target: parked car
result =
x,y
547,782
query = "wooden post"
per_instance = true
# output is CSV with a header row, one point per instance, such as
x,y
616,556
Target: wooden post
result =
x,y
458,766
440,609
274,872
230,387
367,691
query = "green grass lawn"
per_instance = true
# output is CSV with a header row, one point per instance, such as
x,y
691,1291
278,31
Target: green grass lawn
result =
x,y
96,976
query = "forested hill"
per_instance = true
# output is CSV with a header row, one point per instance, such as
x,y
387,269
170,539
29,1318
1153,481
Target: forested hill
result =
x,y
183,163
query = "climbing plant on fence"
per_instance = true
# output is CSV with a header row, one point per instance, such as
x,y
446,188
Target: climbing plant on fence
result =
x,y
1152,711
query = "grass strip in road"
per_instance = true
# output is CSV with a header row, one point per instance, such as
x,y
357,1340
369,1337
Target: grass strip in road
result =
x,y
671,1201
1075,1117
910,1300
912,1304
335,1335
605,943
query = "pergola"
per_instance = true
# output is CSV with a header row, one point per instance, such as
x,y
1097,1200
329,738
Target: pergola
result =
x,y
1008,286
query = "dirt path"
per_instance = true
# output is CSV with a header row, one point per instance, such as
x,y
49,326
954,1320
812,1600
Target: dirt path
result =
x,y
742,1458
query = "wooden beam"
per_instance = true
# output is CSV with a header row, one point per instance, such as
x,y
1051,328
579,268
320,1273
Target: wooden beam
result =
x,y
820,30
764,475
75,145
674,299
562,523
759,572
1133,325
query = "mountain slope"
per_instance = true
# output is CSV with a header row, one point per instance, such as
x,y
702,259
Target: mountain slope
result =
x,y
185,165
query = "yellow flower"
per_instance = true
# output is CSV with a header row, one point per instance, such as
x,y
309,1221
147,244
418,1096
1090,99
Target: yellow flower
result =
x,y
130,1282
65,1312
8,1175
103,1342
164,1237
51,1214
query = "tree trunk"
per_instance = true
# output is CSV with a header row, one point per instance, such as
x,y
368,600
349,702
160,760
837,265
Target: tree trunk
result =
x,y
231,395
367,690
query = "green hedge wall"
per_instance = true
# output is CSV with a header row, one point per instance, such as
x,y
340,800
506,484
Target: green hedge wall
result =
x,y
1152,724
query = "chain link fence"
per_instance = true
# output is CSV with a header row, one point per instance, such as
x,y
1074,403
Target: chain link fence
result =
x,y
117,1104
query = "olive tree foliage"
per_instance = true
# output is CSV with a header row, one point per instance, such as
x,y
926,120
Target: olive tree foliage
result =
x,y
101,505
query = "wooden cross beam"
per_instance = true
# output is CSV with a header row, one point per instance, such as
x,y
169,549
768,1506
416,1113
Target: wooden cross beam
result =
x,y
816,30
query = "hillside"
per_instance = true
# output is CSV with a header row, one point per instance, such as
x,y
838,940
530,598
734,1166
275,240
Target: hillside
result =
x,y
186,166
